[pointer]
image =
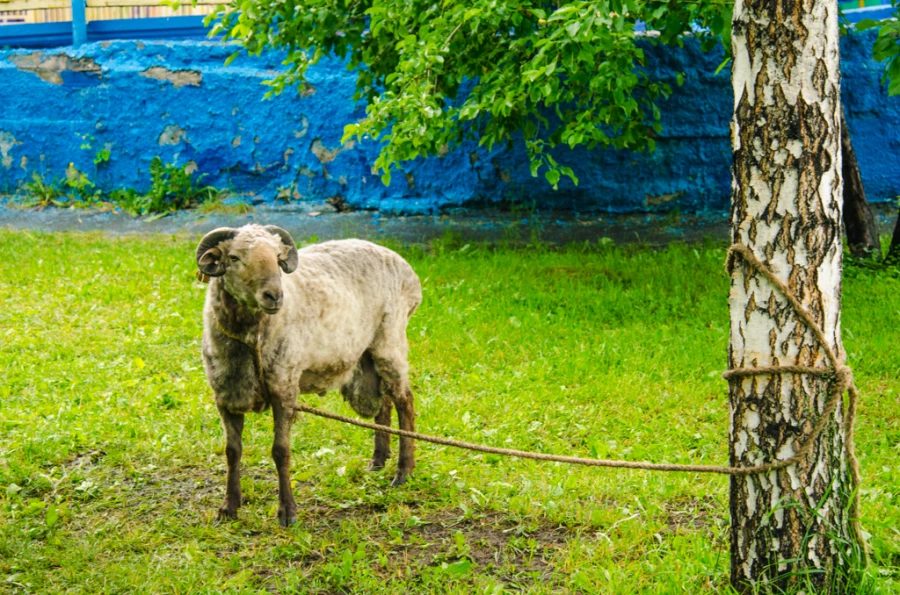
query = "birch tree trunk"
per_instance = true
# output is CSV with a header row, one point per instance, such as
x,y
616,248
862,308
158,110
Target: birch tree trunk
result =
x,y
790,528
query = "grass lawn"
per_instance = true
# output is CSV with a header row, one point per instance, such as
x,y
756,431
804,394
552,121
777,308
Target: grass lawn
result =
x,y
112,456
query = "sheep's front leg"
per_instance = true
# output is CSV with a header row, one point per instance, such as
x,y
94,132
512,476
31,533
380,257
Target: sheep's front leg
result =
x,y
234,426
281,454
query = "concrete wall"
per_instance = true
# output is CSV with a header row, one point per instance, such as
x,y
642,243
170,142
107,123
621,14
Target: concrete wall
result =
x,y
178,101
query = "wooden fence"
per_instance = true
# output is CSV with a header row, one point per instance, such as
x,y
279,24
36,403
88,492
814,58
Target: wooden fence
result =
x,y
57,11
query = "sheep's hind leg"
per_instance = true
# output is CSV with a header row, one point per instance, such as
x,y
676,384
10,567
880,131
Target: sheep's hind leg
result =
x,y
392,369
234,426
382,439
395,387
406,461
281,454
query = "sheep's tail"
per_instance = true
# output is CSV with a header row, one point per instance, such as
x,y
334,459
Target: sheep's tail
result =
x,y
363,390
413,289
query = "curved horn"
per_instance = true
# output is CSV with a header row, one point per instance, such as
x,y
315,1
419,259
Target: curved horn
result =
x,y
289,264
209,256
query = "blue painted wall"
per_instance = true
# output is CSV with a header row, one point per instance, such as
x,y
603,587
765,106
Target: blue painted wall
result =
x,y
178,101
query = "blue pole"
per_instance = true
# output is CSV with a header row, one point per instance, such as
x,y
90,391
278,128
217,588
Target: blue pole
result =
x,y
79,23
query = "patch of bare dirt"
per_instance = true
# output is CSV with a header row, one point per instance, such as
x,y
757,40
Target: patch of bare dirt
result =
x,y
692,514
489,539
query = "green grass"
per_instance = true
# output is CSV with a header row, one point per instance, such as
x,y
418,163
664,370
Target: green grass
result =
x,y
112,456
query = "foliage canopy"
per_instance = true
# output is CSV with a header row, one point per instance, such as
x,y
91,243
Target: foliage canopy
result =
x,y
434,74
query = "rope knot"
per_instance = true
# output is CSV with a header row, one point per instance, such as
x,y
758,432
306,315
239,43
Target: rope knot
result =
x,y
843,378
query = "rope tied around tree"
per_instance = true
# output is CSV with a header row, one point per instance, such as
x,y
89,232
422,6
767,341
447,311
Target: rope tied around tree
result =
x,y
841,381
839,374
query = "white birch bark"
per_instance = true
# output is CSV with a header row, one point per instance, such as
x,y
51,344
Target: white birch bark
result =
x,y
787,525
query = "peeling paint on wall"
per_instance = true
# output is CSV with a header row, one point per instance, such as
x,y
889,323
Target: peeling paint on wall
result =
x,y
172,135
304,128
178,78
655,201
502,173
325,155
50,68
7,142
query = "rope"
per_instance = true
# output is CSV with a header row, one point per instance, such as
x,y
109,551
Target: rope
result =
x,y
840,375
524,454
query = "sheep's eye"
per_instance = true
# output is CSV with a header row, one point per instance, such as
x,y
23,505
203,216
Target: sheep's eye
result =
x,y
235,259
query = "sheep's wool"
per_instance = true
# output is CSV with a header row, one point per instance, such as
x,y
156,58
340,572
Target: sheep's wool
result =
x,y
363,390
342,325
365,404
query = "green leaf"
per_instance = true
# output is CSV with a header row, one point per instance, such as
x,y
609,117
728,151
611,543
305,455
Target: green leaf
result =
x,y
562,12
722,65
867,24
457,569
550,68
893,69
231,58
51,516
347,562
460,540
679,78
884,47
552,176
567,171
894,87
572,29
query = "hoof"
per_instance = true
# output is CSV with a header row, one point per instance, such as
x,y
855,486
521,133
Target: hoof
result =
x,y
399,480
286,518
227,514
376,465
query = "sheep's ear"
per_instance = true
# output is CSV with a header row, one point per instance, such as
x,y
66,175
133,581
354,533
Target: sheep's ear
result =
x,y
209,255
289,264
211,264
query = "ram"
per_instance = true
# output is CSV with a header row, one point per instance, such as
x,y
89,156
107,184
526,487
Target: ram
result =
x,y
279,322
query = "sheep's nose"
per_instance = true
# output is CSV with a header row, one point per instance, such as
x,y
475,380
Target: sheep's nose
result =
x,y
272,297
